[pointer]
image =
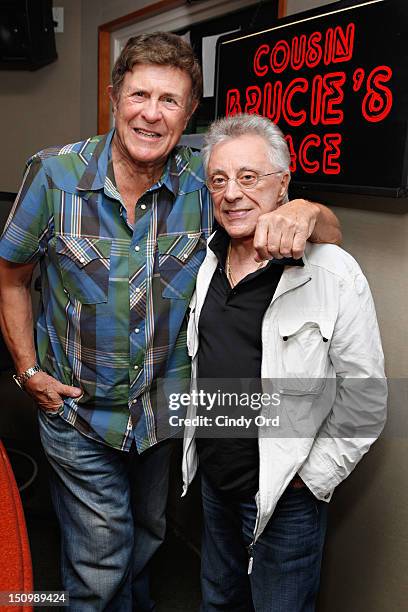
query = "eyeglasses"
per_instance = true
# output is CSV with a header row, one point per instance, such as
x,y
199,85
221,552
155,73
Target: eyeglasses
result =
x,y
247,179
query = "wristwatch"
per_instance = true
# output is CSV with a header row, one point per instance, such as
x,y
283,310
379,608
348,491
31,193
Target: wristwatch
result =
x,y
22,378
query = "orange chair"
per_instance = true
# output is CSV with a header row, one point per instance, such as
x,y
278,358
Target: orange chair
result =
x,y
15,558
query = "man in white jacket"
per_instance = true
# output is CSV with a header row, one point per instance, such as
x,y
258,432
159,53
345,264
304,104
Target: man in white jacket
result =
x,y
304,331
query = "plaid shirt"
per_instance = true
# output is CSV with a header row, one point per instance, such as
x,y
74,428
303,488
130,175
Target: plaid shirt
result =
x,y
114,296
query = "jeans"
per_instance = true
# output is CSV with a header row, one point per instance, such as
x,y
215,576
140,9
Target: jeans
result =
x,y
111,509
286,557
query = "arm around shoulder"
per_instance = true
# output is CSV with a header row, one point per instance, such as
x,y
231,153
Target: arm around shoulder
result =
x,y
327,228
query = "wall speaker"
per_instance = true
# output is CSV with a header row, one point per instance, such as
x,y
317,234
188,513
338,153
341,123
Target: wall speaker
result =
x,y
27,39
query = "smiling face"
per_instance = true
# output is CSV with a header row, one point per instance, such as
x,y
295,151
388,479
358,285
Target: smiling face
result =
x,y
151,112
235,209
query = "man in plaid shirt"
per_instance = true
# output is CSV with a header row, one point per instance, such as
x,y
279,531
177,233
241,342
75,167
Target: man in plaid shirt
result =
x,y
118,224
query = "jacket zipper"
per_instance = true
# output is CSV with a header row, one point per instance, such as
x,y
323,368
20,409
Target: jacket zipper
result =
x,y
250,558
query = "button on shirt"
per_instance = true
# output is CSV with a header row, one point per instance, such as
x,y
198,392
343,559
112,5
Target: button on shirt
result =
x,y
114,296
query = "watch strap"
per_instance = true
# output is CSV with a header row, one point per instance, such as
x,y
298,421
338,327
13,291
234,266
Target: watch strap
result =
x,y
22,378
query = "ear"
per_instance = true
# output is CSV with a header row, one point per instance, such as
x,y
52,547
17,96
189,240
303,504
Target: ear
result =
x,y
113,99
283,189
194,104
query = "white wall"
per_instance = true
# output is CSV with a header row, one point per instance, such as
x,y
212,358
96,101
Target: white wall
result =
x,y
297,6
42,108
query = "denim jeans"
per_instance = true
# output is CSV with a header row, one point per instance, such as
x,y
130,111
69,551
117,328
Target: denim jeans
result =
x,y
286,558
111,510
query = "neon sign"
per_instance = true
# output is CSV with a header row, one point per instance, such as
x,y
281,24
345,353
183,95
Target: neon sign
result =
x,y
336,84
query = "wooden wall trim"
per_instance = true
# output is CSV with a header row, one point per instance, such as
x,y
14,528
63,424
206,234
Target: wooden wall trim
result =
x,y
282,8
103,80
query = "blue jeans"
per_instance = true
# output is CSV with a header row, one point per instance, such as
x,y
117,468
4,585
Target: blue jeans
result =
x,y
287,556
111,510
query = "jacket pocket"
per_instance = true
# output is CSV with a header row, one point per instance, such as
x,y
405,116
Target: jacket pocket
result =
x,y
180,257
85,264
304,353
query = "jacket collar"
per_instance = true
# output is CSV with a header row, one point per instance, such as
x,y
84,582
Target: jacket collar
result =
x,y
292,277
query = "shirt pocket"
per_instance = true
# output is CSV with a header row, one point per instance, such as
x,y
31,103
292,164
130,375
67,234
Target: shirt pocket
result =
x,y
85,265
304,353
180,257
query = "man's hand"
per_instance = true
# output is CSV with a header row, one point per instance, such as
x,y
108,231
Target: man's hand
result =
x,y
284,231
48,392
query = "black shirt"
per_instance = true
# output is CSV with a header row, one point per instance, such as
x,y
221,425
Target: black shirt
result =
x,y
231,348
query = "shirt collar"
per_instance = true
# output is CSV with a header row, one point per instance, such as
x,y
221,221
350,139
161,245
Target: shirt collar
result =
x,y
183,172
186,171
169,177
219,245
94,175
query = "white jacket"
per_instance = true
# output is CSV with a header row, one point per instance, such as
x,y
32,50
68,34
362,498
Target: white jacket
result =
x,y
319,334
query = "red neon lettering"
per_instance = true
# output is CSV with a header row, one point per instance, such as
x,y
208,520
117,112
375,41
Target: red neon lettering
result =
x,y
283,48
272,110
253,100
233,106
377,102
316,102
328,47
258,69
331,152
314,51
298,52
343,44
292,117
358,78
313,140
333,94
292,153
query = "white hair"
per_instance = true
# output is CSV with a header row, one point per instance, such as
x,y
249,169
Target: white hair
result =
x,y
242,125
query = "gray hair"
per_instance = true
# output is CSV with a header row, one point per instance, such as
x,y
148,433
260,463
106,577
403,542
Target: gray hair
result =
x,y
242,125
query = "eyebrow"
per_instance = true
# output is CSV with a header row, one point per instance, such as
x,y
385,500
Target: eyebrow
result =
x,y
135,88
171,94
242,169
